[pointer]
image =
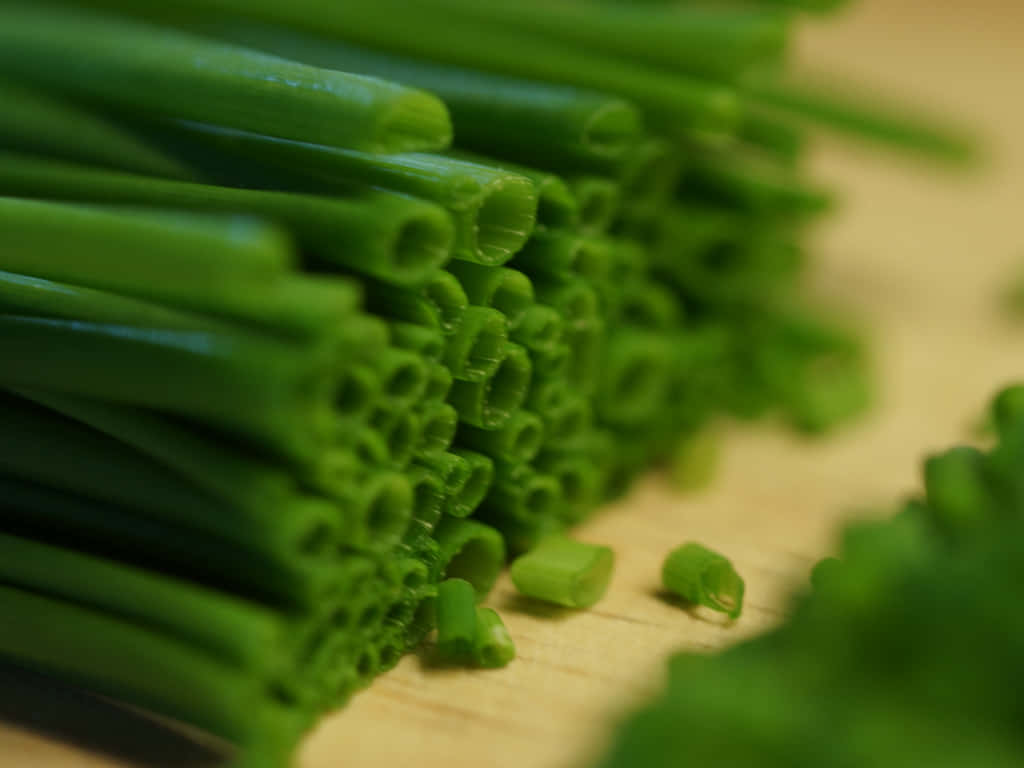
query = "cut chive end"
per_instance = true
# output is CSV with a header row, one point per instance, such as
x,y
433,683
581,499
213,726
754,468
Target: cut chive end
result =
x,y
505,219
417,122
564,571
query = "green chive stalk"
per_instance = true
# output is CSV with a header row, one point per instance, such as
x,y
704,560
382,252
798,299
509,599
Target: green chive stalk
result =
x,y
598,201
439,421
477,348
539,328
381,234
506,290
700,576
35,121
516,442
142,68
456,619
470,550
481,472
565,572
489,403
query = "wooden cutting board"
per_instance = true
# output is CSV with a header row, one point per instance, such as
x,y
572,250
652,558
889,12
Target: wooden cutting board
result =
x,y
919,255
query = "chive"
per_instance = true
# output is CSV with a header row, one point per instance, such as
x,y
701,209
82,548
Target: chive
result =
x,y
506,290
428,497
649,170
636,376
492,644
439,422
476,349
400,431
496,115
488,404
517,441
229,475
556,207
438,303
539,328
237,632
456,619
402,374
834,106
650,306
40,446
1008,410
550,253
709,42
381,507
552,362
135,665
426,342
594,261
381,234
586,344
690,105
703,577
958,496
564,572
774,135
570,295
45,513
272,394
452,469
472,492
470,550
598,201
578,479
520,495
493,209
568,423
438,384
34,121
139,67
546,395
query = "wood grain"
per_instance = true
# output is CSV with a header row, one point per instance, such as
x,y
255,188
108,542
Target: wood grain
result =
x,y
919,255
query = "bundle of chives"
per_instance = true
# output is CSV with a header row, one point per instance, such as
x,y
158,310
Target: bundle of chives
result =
x,y
330,362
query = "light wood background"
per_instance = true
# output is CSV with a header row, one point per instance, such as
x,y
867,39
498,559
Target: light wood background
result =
x,y
920,256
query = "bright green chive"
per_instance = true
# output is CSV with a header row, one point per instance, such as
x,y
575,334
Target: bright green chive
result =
x,y
516,442
475,351
470,550
456,619
564,571
493,646
489,403
700,576
506,290
598,201
481,472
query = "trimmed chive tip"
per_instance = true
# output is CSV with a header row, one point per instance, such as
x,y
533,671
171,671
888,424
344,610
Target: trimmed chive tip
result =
x,y
493,646
456,619
563,571
700,576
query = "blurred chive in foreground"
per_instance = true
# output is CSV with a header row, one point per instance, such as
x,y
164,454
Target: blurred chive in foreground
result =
x,y
906,652
309,305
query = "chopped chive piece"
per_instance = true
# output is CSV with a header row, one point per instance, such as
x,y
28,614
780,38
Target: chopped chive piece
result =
x,y
470,550
493,646
564,571
456,619
700,576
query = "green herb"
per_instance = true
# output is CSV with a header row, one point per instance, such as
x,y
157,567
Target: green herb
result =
x,y
703,577
493,646
456,619
563,571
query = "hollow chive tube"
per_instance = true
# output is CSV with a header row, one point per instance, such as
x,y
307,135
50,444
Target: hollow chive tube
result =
x,y
556,206
230,629
143,68
438,303
469,550
689,105
700,576
402,374
381,506
598,199
488,404
456,619
481,472
549,253
573,296
539,328
426,342
517,441
438,423
449,300
495,115
109,530
552,362
271,394
506,290
493,209
546,395
648,305
428,499
493,646
357,392
135,665
637,367
476,349
401,431
519,494
41,446
564,571
396,237
569,422
439,383
36,121
578,479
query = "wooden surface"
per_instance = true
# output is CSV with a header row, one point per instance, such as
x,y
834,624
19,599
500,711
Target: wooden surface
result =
x,y
919,255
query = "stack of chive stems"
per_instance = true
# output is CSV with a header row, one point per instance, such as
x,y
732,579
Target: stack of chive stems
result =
x,y
307,306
